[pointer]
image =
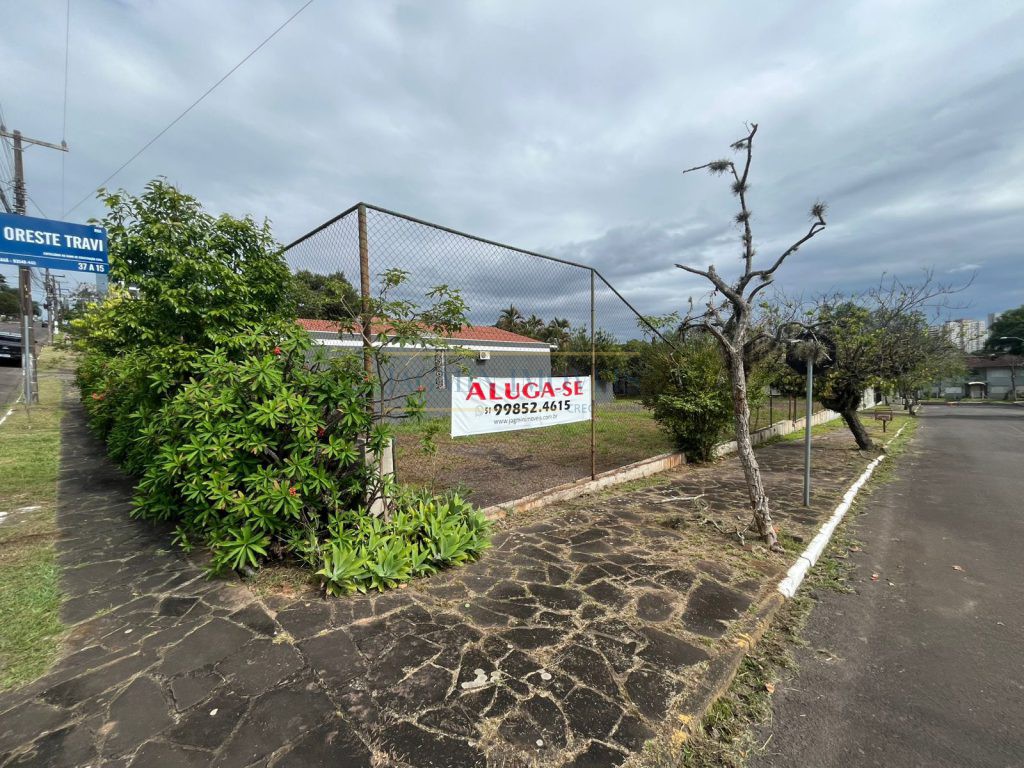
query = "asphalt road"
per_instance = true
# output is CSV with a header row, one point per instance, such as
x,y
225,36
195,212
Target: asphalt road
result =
x,y
10,374
928,671
10,383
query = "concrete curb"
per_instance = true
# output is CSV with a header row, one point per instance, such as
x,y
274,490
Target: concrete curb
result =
x,y
724,667
789,585
11,410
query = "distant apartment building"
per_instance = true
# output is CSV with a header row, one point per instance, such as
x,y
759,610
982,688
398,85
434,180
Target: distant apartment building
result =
x,y
965,335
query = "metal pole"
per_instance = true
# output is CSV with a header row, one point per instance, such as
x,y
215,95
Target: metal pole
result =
x,y
26,360
366,319
24,273
48,293
593,385
807,431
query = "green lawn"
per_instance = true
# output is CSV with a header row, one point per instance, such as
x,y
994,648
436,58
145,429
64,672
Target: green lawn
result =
x,y
500,467
31,631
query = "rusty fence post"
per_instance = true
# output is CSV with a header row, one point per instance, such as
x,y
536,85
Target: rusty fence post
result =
x,y
593,384
365,320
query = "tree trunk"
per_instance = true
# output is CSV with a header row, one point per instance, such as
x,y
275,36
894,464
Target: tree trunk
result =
x,y
745,450
857,429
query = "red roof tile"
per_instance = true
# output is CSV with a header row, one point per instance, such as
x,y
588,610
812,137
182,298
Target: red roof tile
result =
x,y
468,333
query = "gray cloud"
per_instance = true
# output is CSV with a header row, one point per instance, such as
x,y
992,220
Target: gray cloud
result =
x,y
561,128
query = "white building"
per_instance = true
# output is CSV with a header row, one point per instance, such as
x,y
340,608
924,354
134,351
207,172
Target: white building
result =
x,y
966,335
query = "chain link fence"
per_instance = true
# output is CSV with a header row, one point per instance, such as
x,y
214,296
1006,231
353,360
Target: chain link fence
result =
x,y
530,316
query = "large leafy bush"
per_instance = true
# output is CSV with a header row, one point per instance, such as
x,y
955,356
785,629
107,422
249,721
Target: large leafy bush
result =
x,y
197,376
686,386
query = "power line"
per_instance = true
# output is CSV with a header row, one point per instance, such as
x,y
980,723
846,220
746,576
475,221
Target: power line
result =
x,y
64,126
41,212
195,103
6,152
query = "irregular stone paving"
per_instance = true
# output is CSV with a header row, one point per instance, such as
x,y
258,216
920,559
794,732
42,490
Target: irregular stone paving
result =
x,y
566,645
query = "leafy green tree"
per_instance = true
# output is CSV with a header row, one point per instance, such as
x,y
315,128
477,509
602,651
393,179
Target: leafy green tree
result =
x,y
79,301
1006,337
180,277
556,331
572,358
9,304
1010,325
880,339
511,319
324,297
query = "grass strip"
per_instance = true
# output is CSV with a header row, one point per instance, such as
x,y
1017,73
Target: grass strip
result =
x,y
31,631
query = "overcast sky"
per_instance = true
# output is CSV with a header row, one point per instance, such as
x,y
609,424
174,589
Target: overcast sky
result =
x,y
559,126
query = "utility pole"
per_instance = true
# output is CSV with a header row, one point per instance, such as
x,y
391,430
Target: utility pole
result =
x,y
25,273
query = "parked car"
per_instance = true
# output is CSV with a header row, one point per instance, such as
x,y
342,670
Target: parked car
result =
x,y
10,347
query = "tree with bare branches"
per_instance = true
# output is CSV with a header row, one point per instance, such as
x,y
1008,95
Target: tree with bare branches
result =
x,y
731,316
880,338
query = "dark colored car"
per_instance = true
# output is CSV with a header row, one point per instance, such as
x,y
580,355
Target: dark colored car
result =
x,y
10,347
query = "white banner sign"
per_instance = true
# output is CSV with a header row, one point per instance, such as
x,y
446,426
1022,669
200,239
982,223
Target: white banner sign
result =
x,y
482,405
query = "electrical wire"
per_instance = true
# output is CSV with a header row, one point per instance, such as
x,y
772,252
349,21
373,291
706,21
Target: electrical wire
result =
x,y
41,211
64,126
191,106
7,153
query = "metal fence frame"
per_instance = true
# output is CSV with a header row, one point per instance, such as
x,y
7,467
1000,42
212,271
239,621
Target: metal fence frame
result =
x,y
360,209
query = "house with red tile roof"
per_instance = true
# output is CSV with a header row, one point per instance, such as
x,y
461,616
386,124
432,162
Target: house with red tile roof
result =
x,y
475,350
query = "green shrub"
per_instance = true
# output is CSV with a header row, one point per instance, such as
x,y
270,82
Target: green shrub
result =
x,y
424,535
243,438
688,391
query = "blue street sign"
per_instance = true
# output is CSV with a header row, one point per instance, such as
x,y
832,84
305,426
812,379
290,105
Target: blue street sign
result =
x,y
29,242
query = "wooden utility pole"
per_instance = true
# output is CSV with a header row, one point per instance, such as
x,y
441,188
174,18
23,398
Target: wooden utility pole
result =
x,y
25,273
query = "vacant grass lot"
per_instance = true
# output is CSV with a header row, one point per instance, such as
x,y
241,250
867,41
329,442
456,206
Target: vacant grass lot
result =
x,y
496,468
30,630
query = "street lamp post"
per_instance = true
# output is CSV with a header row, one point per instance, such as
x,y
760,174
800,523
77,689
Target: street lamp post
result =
x,y
808,413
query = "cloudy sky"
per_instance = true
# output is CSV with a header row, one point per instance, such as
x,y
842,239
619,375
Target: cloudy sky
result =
x,y
559,126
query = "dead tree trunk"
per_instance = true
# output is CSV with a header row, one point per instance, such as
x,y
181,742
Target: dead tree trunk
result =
x,y
730,315
745,451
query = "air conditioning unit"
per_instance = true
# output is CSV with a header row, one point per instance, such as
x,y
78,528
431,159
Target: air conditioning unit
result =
x,y
482,355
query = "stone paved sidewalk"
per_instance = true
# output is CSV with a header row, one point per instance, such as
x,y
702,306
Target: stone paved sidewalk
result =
x,y
566,645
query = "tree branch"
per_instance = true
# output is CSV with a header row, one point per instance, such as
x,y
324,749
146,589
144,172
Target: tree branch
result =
x,y
818,212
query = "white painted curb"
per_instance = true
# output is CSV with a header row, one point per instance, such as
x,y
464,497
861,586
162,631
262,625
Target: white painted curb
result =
x,y
789,585
10,411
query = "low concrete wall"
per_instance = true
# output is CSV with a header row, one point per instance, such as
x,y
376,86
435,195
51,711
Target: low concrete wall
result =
x,y
778,429
644,468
